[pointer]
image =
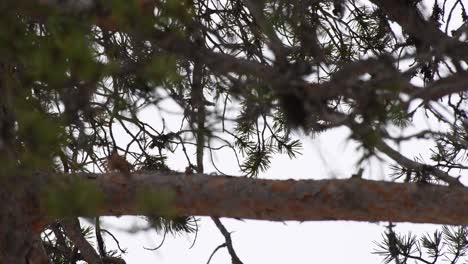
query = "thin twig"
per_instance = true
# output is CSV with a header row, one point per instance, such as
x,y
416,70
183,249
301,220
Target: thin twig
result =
x,y
214,251
227,236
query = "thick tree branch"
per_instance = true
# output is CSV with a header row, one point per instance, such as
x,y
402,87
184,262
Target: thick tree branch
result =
x,y
276,200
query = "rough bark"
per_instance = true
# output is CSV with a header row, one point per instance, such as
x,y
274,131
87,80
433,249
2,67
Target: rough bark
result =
x,y
276,200
20,223
20,220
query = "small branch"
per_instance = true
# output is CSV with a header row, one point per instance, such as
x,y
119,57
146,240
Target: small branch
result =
x,y
274,43
412,21
62,245
364,130
99,239
450,85
214,251
115,240
405,162
73,231
227,236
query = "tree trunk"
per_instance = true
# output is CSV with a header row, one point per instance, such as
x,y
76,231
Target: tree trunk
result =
x,y
20,240
20,227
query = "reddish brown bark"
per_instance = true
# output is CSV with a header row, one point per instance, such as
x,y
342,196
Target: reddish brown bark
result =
x,y
279,200
20,241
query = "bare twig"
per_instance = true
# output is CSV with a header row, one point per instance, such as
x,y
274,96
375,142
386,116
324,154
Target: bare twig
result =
x,y
214,251
227,236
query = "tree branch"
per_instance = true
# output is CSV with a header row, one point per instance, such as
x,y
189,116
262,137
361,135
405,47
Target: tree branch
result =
x,y
227,236
453,84
275,200
405,162
73,230
411,20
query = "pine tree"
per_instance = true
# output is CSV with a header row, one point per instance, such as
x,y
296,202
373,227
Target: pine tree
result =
x,y
78,79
